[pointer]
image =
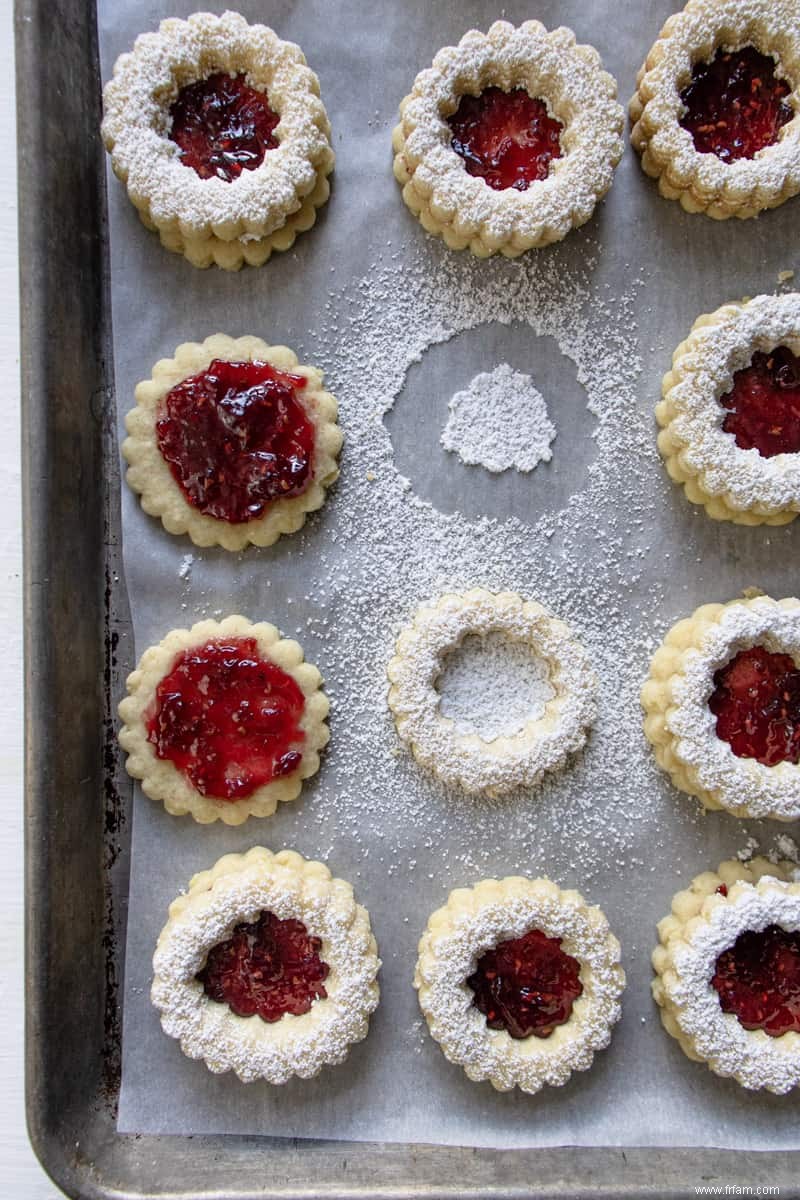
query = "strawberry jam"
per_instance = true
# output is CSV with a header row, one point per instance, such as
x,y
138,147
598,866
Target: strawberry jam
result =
x,y
758,979
222,126
526,985
735,104
506,138
235,438
756,701
227,719
764,404
270,967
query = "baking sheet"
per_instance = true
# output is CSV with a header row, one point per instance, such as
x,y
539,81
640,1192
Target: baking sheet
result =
x,y
598,534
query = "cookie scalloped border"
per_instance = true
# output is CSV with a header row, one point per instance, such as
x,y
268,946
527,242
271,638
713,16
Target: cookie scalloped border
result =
x,y
162,781
159,493
462,209
477,918
236,889
702,182
680,726
689,1007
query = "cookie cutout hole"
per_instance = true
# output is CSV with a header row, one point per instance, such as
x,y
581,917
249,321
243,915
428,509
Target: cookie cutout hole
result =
x,y
492,686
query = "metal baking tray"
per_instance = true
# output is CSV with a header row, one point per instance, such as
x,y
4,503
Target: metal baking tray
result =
x,y
77,802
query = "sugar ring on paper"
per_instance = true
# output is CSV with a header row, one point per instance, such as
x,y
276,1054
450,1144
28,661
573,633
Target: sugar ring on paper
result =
x,y
733,484
478,918
213,220
463,209
703,924
505,762
682,728
150,475
703,182
235,890
162,780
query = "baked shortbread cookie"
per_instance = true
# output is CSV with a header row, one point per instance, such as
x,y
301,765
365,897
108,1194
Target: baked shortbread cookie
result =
x,y
722,707
223,721
267,967
232,442
519,982
715,110
492,764
217,130
730,412
509,139
728,972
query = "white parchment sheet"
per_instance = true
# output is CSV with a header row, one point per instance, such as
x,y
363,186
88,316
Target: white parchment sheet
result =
x,y
598,534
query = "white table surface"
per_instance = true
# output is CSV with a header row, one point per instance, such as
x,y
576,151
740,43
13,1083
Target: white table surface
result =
x,y
21,1177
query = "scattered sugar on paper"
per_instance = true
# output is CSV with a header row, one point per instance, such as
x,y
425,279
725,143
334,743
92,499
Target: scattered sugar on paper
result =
x,y
500,421
493,686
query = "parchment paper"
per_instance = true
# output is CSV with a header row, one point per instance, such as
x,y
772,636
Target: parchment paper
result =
x,y
611,826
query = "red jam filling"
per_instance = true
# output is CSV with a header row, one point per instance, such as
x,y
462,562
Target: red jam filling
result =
x,y
756,701
270,967
227,719
735,104
222,126
506,138
526,985
758,979
764,404
722,890
236,438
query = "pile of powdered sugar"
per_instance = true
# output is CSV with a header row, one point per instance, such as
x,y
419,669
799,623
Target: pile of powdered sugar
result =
x,y
493,686
500,421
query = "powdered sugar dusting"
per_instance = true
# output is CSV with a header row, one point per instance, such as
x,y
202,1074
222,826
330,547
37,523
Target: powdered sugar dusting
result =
x,y
500,421
493,686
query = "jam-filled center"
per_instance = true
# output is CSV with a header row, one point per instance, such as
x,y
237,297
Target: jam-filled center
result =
x,y
227,719
764,404
269,967
735,104
235,438
507,138
222,126
756,701
758,979
526,985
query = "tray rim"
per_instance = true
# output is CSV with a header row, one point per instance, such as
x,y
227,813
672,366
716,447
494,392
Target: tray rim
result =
x,y
99,1162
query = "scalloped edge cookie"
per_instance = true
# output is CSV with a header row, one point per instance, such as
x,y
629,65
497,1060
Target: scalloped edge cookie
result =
x,y
508,761
681,727
161,779
236,889
212,220
463,209
732,484
474,920
703,182
150,476
702,925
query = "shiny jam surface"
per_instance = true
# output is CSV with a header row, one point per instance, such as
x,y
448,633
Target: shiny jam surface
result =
x,y
227,719
756,701
764,404
526,985
758,979
270,967
235,438
735,104
506,138
222,126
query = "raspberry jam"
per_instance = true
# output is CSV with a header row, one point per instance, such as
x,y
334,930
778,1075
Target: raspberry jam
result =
x,y
758,979
526,985
227,719
756,701
735,104
235,438
506,138
222,126
764,404
270,967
